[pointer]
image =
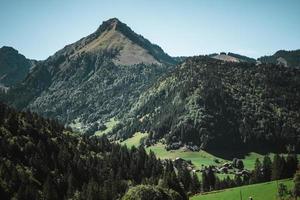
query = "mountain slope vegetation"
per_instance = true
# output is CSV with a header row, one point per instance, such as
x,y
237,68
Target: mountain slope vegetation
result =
x,y
285,58
216,105
93,79
40,159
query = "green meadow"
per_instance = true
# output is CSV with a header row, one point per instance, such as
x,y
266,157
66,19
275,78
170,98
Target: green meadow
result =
x,y
262,191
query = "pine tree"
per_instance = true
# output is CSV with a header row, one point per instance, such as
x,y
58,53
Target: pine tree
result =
x,y
267,168
277,167
291,165
185,177
205,181
195,184
211,178
238,180
257,176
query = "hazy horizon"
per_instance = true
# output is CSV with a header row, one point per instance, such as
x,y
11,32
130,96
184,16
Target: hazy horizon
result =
x,y
39,29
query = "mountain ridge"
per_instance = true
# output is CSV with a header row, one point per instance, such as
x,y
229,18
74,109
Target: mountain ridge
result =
x,y
215,105
14,66
94,78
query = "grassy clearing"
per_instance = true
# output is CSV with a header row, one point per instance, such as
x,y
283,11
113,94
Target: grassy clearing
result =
x,y
197,158
135,139
109,126
262,191
249,160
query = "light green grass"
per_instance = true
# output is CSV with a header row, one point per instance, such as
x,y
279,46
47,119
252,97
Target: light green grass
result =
x,y
109,126
198,158
76,125
249,160
262,191
134,140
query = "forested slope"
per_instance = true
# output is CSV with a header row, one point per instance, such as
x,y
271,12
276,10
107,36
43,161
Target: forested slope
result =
x,y
40,159
219,105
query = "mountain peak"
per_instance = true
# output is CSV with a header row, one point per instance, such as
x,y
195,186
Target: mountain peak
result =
x,y
110,24
8,49
113,20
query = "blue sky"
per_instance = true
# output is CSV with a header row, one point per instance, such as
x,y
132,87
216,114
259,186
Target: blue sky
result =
x,y
38,28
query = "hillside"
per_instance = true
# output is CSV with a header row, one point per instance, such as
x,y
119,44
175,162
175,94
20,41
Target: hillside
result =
x,y
260,191
14,67
40,159
285,58
220,106
94,79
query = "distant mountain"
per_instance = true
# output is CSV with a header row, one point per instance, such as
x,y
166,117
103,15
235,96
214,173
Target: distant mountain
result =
x,y
285,58
93,79
232,57
220,106
14,67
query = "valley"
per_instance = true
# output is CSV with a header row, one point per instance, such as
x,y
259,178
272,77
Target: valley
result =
x,y
112,116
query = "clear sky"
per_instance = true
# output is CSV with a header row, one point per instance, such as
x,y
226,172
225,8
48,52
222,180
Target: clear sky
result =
x,y
38,28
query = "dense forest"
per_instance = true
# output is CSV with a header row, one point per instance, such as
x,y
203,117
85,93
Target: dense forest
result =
x,y
216,105
40,159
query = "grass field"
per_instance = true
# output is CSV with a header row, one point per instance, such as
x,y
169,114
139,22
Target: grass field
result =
x,y
109,126
135,139
198,158
262,191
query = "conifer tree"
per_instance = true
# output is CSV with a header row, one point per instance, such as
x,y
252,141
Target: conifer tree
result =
x,y
195,184
267,168
277,167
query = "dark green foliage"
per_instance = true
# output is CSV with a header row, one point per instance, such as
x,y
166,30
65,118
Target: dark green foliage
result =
x,y
291,164
209,179
218,105
170,180
257,176
184,177
240,164
267,168
282,191
276,167
40,159
145,192
292,58
195,184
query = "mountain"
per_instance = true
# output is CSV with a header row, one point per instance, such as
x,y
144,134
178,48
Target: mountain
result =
x,y
232,57
93,79
285,58
220,106
40,159
14,67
